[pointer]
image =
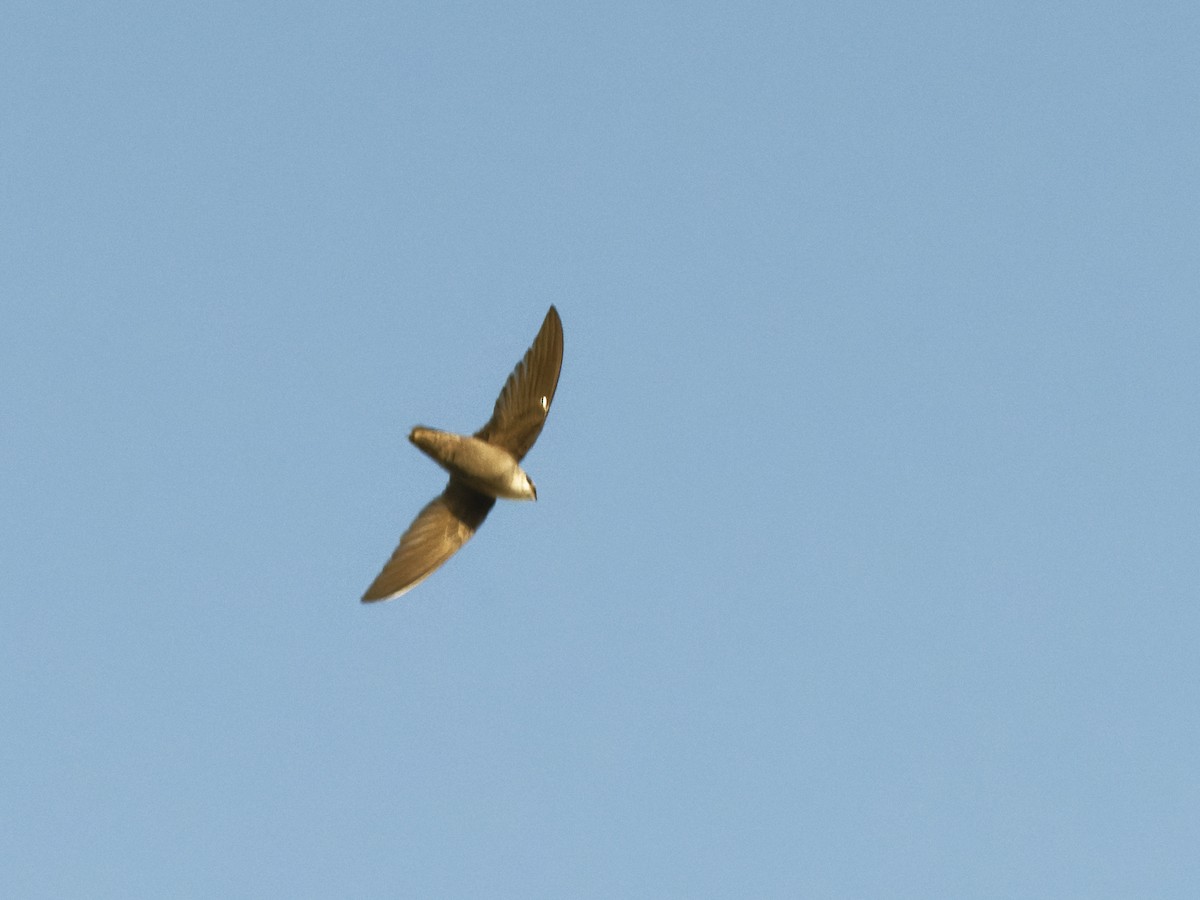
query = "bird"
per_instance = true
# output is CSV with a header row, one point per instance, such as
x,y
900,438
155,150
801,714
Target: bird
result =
x,y
482,467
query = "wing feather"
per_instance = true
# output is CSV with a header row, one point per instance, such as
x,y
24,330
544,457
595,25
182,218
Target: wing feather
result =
x,y
439,530
524,403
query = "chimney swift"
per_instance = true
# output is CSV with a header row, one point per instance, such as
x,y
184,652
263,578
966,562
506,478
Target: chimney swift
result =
x,y
482,467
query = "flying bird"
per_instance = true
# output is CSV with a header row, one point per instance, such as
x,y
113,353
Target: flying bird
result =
x,y
482,467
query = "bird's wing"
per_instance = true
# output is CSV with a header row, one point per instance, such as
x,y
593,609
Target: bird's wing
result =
x,y
439,530
525,401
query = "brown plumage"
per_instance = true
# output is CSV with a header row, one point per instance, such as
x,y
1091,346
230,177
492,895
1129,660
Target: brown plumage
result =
x,y
482,467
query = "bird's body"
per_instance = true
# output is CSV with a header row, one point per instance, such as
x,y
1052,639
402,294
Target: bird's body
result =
x,y
482,467
485,467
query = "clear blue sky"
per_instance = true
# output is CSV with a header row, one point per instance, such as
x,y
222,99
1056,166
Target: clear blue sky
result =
x,y
865,561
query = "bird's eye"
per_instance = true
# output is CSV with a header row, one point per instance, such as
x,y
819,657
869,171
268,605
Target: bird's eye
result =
x,y
545,404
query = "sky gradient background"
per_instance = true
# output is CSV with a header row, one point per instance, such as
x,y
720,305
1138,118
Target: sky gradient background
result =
x,y
865,560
